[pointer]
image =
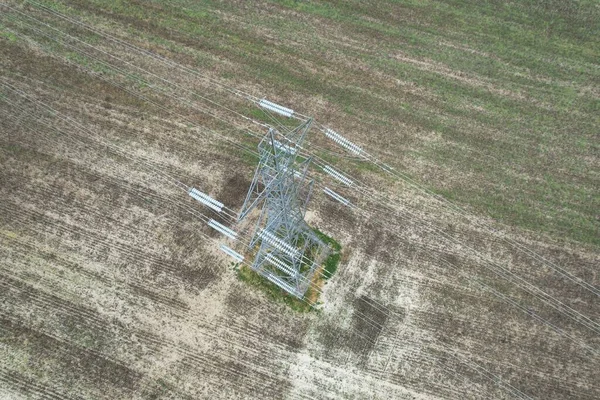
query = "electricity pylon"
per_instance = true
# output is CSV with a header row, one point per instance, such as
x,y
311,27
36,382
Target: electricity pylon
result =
x,y
289,251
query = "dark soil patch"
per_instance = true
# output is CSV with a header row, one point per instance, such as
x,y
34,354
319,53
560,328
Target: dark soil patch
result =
x,y
333,338
78,363
344,218
368,321
233,192
369,318
198,277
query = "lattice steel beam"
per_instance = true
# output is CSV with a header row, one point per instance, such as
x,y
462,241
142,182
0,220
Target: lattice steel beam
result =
x,y
289,251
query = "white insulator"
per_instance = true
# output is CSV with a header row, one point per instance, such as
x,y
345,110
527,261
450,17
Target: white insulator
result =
x,y
206,200
337,197
207,197
280,264
279,244
237,256
337,175
342,141
269,105
222,228
285,286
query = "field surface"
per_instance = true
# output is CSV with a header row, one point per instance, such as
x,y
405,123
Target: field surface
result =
x,y
471,256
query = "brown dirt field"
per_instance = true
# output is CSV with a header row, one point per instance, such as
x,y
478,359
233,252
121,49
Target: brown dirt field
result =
x,y
112,288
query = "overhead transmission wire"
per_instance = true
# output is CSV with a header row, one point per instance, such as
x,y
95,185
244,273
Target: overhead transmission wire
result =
x,y
368,156
216,82
124,73
477,367
131,46
521,283
310,304
79,138
592,326
167,61
142,97
127,74
275,120
149,84
152,74
377,162
227,216
369,321
368,339
573,314
460,211
54,39
365,191
98,32
70,120
146,99
81,127
321,163
116,149
144,196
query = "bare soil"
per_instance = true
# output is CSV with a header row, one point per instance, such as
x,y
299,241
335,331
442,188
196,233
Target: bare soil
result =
x,y
111,286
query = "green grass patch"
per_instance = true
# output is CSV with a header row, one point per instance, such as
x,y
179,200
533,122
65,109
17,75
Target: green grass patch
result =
x,y
11,37
333,260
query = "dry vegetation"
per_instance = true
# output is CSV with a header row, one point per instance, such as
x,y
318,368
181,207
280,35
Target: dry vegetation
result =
x,y
110,288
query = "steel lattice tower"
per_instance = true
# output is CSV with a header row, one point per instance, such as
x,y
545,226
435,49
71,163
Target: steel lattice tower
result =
x,y
289,251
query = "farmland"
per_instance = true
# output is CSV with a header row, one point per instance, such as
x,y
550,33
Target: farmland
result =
x,y
112,286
